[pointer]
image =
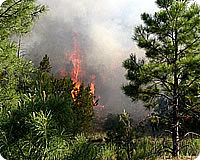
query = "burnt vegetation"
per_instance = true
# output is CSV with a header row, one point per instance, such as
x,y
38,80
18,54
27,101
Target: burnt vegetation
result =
x,y
46,117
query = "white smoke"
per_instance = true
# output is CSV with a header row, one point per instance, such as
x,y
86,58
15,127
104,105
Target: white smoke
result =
x,y
106,24
198,158
1,158
1,1
105,28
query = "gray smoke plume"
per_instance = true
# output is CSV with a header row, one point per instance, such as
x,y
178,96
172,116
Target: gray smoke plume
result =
x,y
105,28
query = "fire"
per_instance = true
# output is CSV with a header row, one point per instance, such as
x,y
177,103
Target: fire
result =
x,y
77,62
76,59
92,88
92,85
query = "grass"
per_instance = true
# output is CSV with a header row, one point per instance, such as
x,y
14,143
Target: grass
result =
x,y
149,148
158,148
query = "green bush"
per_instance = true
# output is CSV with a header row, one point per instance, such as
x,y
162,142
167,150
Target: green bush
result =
x,y
82,149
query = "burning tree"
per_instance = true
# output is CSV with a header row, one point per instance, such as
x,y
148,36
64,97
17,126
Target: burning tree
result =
x,y
76,97
77,72
171,40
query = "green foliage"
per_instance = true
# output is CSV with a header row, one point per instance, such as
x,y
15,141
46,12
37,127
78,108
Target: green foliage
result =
x,y
32,137
46,118
143,148
120,131
107,152
170,70
81,148
14,75
38,114
39,118
118,127
191,147
82,107
44,141
74,113
167,55
112,122
45,66
17,17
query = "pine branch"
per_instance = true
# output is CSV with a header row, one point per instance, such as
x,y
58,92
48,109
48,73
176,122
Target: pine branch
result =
x,y
196,78
10,7
187,47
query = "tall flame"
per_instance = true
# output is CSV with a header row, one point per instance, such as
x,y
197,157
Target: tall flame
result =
x,y
92,88
77,60
92,85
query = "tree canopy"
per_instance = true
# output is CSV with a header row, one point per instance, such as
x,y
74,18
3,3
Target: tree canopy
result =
x,y
16,18
170,69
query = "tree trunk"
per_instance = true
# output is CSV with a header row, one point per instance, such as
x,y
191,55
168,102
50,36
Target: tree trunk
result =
x,y
175,127
176,122
175,133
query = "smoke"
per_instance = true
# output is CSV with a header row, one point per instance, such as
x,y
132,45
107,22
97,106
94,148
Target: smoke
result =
x,y
105,28
1,1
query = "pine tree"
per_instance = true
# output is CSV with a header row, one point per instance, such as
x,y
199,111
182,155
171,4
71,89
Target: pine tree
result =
x,y
16,18
170,69
45,65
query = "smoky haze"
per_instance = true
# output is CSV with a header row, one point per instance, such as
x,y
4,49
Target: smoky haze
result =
x,y
105,28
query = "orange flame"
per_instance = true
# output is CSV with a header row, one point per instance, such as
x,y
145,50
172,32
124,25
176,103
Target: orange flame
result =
x,y
77,72
76,59
92,88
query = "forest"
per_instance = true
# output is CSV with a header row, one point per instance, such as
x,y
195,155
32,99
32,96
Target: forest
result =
x,y
48,117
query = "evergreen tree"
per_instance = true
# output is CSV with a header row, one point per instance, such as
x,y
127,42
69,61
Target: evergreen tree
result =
x,y
45,66
16,18
170,69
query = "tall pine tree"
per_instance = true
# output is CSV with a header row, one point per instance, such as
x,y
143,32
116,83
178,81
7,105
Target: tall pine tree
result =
x,y
171,67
